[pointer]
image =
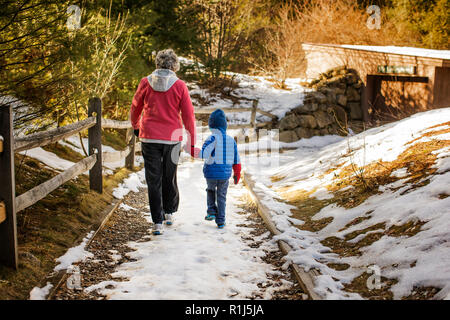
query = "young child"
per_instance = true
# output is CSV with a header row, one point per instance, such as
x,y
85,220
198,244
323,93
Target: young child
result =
x,y
221,159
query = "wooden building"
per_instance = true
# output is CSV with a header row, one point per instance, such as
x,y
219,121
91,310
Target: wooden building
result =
x,y
408,79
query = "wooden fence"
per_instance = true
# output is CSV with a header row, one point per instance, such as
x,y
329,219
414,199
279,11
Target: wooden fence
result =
x,y
254,109
10,204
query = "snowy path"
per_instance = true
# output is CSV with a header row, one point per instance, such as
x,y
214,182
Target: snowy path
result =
x,y
195,260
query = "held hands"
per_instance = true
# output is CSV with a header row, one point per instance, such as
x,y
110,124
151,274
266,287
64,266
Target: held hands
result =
x,y
192,150
236,173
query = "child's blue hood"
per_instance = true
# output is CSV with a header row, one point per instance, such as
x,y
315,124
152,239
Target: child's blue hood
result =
x,y
218,120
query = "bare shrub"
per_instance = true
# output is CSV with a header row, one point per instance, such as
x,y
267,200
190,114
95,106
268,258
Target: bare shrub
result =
x,y
319,21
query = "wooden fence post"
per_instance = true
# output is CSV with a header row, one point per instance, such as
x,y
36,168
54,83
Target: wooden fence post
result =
x,y
253,115
8,228
95,144
129,160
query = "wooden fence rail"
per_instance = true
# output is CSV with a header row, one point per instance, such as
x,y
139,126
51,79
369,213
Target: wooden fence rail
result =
x,y
10,204
254,109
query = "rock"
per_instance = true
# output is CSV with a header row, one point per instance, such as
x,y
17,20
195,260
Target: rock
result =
x,y
351,78
307,121
323,107
358,85
323,119
289,122
342,100
335,129
341,114
340,89
315,96
306,108
324,132
303,133
288,136
353,94
355,110
335,81
330,94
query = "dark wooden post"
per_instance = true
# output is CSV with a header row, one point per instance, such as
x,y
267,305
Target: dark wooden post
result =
x,y
95,145
253,115
129,160
8,229
367,97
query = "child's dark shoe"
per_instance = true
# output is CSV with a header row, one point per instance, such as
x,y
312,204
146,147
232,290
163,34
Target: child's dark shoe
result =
x,y
210,217
221,225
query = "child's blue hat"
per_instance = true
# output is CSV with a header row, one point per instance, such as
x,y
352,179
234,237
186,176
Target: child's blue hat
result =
x,y
218,120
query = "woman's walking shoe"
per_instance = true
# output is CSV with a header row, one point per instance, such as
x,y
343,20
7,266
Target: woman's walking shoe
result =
x,y
169,219
157,229
210,217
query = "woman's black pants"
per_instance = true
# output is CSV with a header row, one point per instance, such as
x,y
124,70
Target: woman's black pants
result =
x,y
161,162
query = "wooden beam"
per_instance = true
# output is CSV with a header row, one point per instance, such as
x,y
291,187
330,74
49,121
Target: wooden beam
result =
x,y
253,115
129,160
305,278
233,110
268,114
114,124
95,145
226,110
8,228
40,139
403,78
37,193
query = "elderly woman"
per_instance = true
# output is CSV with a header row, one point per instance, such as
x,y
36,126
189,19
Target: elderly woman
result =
x,y
155,112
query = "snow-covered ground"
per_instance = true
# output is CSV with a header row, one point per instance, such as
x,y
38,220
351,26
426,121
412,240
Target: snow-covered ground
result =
x,y
420,260
193,259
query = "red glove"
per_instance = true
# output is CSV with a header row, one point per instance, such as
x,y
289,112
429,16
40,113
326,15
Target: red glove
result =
x,y
236,173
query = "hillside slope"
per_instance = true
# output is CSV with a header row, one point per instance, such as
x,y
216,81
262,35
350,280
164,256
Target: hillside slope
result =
x,y
374,204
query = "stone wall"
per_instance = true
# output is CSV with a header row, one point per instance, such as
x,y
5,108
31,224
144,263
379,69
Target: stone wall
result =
x,y
326,110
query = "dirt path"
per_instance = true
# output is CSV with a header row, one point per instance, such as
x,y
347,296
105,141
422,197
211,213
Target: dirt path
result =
x,y
127,258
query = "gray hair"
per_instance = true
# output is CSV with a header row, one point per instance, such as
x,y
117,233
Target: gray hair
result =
x,y
167,59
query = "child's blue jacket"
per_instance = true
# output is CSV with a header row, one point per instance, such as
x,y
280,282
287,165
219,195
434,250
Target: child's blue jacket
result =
x,y
219,150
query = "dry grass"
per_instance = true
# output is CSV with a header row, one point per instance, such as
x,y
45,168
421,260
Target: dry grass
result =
x,y
319,21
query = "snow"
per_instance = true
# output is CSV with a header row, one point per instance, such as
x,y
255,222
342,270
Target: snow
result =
x,y
276,101
410,51
193,259
419,260
132,183
126,207
40,293
75,254
48,158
